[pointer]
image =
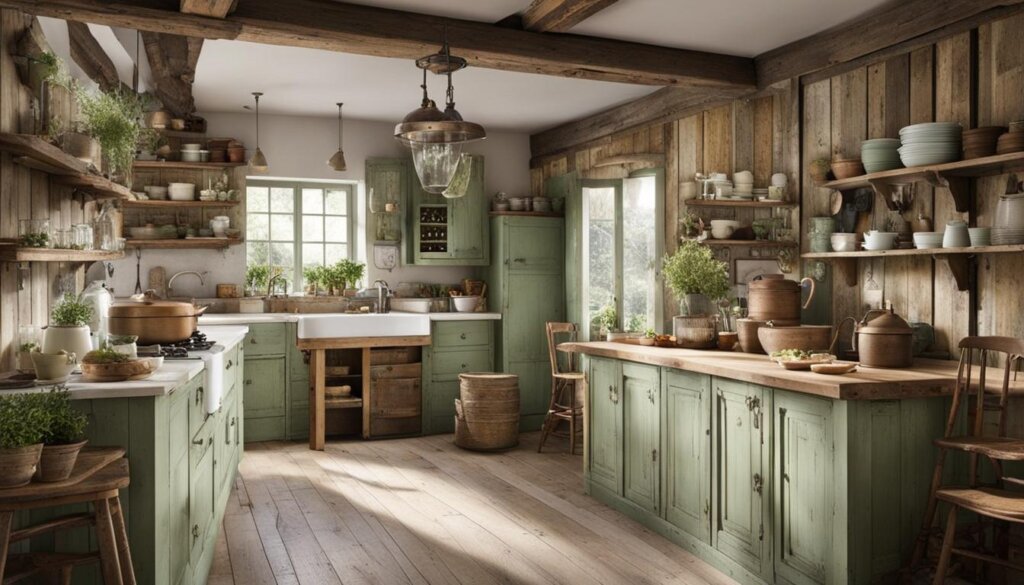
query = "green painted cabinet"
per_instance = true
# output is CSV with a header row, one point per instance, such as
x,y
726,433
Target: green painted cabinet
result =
x,y
804,493
604,456
275,384
449,232
456,347
740,522
388,179
527,284
686,451
641,405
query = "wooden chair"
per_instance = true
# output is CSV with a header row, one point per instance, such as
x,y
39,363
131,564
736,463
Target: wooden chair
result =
x,y
990,502
567,385
98,475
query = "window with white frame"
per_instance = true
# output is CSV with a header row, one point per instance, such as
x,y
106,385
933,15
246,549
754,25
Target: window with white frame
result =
x,y
295,224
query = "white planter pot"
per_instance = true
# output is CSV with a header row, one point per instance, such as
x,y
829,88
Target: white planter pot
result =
x,y
74,340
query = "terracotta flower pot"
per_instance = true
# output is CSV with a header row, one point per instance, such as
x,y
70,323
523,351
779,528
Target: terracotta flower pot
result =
x,y
18,465
58,461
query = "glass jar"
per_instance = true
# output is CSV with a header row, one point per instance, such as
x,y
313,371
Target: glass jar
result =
x,y
83,236
34,233
103,228
63,238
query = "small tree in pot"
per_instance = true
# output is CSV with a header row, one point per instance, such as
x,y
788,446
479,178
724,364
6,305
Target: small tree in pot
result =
x,y
23,422
696,279
69,327
64,437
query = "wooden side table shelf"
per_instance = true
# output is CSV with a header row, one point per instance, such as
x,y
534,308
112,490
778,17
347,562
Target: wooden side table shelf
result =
x,y
98,475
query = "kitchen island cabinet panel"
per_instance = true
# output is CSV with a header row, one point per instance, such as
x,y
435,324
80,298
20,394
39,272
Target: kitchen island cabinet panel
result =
x,y
266,339
605,447
265,388
686,451
641,403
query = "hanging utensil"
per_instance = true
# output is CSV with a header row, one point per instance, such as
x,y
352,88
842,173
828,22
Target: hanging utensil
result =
x,y
138,271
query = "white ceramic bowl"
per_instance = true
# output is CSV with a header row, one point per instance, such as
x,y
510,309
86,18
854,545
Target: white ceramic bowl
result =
x,y
729,223
879,240
144,233
155,191
191,155
743,177
956,235
465,304
779,180
980,236
181,191
844,242
191,146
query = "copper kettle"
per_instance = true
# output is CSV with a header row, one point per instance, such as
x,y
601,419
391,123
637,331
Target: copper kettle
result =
x,y
883,340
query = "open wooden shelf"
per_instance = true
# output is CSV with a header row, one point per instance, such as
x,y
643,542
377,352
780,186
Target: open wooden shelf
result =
x,y
738,203
347,402
36,153
173,204
750,243
14,253
184,243
180,165
953,176
957,259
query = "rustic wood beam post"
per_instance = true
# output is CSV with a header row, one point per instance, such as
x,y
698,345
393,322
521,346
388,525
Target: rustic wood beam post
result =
x,y
561,15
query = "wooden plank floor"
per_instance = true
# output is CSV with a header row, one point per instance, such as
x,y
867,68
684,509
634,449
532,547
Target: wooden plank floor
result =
x,y
422,511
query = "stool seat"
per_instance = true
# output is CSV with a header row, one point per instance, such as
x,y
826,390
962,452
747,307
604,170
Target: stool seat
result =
x,y
570,376
563,405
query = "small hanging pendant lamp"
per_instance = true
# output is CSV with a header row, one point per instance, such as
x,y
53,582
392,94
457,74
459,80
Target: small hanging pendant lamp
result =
x,y
337,161
258,162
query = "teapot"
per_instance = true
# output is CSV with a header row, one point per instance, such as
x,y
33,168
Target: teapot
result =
x,y
883,339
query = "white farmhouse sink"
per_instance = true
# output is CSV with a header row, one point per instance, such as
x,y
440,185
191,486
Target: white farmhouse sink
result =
x,y
363,325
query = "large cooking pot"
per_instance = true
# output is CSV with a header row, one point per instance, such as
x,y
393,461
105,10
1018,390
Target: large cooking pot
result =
x,y
884,340
772,297
154,320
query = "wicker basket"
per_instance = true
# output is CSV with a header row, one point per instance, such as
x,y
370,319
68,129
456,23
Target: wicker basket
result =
x,y
487,414
698,332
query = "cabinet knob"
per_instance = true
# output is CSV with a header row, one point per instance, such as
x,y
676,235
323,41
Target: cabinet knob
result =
x,y
248,382
463,366
463,336
195,532
252,340
230,363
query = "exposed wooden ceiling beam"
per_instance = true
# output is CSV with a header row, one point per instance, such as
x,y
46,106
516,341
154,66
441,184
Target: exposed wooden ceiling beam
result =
x,y
561,15
173,59
90,56
367,30
211,8
904,21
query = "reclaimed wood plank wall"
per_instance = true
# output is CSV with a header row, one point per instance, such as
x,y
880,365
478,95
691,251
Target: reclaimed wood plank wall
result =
x,y
28,194
975,78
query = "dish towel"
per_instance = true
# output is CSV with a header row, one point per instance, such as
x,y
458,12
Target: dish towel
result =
x,y
213,389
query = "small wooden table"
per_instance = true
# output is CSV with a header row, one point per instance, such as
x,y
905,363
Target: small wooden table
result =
x,y
98,475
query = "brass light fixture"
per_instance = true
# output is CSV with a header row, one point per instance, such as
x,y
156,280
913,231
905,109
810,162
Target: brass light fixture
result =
x,y
258,162
435,137
337,161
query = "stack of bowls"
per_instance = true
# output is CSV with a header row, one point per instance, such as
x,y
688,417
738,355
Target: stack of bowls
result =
x,y
845,168
1012,141
930,144
980,236
981,142
844,242
880,154
1009,223
927,240
743,185
956,235
193,153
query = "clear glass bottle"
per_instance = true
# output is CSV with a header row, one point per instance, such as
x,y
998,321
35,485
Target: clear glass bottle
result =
x,y
83,236
103,228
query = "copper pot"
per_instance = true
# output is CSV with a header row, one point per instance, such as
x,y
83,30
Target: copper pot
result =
x,y
884,340
772,297
154,320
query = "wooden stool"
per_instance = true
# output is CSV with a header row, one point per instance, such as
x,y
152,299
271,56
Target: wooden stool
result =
x,y
563,382
97,477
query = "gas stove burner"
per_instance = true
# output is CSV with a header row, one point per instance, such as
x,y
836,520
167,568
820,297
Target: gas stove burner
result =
x,y
181,349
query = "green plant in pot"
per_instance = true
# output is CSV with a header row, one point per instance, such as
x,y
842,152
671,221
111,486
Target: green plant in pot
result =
x,y
353,271
606,320
256,277
64,437
69,328
697,279
311,276
112,117
23,423
25,357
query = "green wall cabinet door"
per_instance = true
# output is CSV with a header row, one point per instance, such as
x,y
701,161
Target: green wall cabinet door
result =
x,y
388,178
686,451
803,487
265,398
457,347
641,400
605,457
466,241
740,527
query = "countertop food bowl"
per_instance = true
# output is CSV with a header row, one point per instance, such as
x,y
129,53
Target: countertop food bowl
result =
x,y
466,304
804,337
411,305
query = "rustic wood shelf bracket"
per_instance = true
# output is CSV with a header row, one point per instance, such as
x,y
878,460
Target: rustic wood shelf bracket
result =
x,y
960,266
847,268
959,188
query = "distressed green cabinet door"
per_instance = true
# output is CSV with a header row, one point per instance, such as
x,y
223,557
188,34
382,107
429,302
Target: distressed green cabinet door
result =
x,y
803,487
264,388
468,233
686,451
201,497
605,457
641,392
535,247
388,177
531,300
739,527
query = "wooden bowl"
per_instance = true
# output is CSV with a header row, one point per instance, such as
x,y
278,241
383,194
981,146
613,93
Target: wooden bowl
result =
x,y
805,337
130,370
835,368
845,169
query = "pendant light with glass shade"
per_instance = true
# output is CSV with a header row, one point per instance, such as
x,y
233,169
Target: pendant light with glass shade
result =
x,y
258,162
337,161
435,137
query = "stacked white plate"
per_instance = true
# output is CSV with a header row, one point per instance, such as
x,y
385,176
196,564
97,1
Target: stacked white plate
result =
x,y
930,144
880,154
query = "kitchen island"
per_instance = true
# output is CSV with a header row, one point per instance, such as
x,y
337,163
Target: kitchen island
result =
x,y
183,444
771,475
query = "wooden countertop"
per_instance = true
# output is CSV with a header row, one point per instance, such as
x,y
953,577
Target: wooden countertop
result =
x,y
927,378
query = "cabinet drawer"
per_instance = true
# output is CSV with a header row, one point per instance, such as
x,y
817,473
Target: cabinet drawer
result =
x,y
265,339
447,365
396,371
382,356
461,333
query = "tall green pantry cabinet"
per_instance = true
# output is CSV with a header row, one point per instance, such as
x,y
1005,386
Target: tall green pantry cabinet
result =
x,y
526,282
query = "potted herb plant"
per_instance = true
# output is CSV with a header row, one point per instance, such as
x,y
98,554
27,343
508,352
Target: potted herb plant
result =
x,y
311,277
354,272
696,277
648,338
23,423
64,437
256,277
606,321
112,117
25,357
69,327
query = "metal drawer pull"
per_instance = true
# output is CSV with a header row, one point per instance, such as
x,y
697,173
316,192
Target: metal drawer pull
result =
x,y
252,340
519,260
195,532
199,394
230,363
198,442
758,482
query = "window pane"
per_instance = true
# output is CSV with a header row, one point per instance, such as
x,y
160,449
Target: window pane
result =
x,y
257,226
601,254
312,201
282,227
638,253
312,254
257,253
256,198
336,228
335,252
312,228
336,202
282,199
282,254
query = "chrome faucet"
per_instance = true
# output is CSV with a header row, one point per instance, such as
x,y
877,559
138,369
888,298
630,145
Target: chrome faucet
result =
x,y
170,289
383,294
271,281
